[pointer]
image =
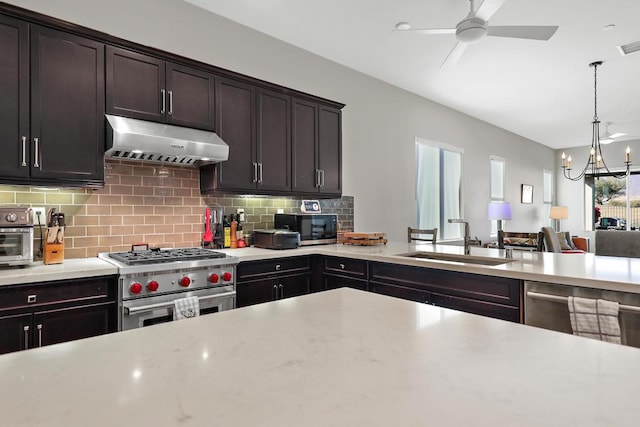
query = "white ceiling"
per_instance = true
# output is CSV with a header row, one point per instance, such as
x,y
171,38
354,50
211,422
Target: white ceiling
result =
x,y
542,90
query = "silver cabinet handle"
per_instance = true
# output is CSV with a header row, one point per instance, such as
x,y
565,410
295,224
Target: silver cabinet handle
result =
x,y
317,177
275,291
342,266
26,337
39,334
259,173
31,299
170,102
164,101
24,151
255,172
277,267
322,177
36,160
281,290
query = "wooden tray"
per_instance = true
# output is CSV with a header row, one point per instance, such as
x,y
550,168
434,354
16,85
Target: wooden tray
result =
x,y
354,238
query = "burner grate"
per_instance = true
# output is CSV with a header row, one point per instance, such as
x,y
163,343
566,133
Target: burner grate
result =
x,y
164,255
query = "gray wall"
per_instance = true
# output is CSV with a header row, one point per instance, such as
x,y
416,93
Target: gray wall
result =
x,y
380,121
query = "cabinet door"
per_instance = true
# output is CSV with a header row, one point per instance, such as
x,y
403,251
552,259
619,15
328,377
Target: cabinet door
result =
x,y
488,309
410,294
14,102
304,145
274,141
56,326
190,97
235,124
256,292
330,150
135,85
67,106
293,286
15,332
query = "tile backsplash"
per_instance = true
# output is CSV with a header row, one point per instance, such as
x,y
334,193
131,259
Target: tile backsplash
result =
x,y
156,204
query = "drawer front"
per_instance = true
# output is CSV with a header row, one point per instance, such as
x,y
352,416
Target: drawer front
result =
x,y
91,290
346,266
255,269
331,281
498,290
497,311
410,294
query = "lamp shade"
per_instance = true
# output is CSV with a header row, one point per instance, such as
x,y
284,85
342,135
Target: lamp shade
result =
x,y
559,212
499,210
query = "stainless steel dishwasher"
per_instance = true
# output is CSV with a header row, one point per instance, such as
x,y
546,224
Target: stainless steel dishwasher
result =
x,y
545,306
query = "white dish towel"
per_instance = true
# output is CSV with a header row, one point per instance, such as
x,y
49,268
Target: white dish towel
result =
x,y
596,319
185,308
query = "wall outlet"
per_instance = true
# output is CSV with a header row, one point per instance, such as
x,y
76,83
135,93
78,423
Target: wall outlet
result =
x,y
42,215
240,212
280,211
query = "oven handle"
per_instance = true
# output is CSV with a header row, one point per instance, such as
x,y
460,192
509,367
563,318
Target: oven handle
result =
x,y
134,310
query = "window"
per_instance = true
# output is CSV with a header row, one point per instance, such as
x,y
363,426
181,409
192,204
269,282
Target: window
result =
x,y
547,195
439,187
497,183
612,203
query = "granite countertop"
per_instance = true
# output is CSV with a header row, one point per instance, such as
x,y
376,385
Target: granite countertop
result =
x,y
586,270
336,358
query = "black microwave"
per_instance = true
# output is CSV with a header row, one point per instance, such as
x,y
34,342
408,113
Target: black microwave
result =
x,y
314,229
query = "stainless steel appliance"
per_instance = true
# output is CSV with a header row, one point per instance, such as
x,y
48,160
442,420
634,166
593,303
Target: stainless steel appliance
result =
x,y
150,281
16,235
276,239
314,229
545,306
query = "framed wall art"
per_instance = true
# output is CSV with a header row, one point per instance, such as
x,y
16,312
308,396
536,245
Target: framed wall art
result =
x,y
527,193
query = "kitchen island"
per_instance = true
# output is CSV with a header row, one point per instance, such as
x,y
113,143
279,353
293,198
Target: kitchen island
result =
x,y
335,358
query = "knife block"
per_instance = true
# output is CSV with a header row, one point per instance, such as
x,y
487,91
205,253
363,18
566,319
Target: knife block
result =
x,y
53,252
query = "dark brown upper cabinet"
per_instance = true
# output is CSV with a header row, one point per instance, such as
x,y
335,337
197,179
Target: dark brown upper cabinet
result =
x,y
255,123
148,88
55,136
317,148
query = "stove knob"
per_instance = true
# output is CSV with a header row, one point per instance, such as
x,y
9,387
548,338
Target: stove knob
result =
x,y
185,281
226,276
135,288
152,286
214,278
11,217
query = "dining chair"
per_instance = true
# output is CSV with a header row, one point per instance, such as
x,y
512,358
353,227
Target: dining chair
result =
x,y
422,234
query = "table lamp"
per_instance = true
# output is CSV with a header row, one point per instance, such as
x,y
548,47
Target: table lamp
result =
x,y
557,213
499,211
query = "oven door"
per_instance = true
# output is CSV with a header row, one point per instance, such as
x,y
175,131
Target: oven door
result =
x,y
16,245
137,313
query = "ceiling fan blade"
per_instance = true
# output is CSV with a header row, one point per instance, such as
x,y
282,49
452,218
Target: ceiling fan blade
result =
x,y
454,55
427,31
488,8
533,32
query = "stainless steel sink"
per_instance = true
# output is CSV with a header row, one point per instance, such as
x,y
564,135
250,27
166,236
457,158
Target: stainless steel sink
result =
x,y
463,259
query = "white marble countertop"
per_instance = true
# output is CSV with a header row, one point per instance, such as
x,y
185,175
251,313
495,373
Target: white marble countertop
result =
x,y
586,270
335,358
69,269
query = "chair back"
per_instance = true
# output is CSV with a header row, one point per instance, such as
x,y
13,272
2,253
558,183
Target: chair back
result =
x,y
551,241
422,234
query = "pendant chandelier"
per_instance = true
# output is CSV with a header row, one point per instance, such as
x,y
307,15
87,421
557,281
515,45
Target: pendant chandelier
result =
x,y
595,162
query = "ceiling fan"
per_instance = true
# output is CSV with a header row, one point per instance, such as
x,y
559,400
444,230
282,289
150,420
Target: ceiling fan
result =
x,y
608,137
476,26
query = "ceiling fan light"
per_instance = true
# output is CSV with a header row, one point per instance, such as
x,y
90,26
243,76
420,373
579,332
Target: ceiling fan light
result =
x,y
471,30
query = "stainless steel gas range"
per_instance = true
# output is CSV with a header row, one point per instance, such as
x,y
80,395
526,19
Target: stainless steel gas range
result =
x,y
150,281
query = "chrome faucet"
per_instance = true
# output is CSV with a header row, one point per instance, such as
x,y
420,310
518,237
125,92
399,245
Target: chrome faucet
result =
x,y
467,238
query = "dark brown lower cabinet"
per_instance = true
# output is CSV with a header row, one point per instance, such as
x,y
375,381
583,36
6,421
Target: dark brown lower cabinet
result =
x,y
496,297
339,272
270,280
36,315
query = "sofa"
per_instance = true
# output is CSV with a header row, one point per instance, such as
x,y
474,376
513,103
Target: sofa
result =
x,y
563,242
618,243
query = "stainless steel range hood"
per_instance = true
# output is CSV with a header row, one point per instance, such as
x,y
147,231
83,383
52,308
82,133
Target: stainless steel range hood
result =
x,y
133,139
